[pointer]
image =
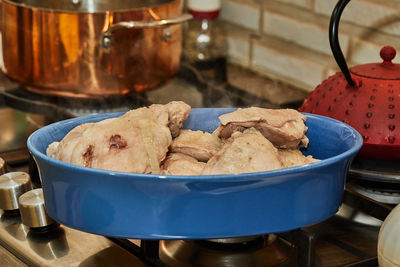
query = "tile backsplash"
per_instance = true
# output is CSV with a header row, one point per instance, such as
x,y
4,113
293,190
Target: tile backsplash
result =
x,y
288,39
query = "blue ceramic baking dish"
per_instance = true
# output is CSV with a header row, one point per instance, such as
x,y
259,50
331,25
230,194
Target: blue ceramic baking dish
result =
x,y
146,206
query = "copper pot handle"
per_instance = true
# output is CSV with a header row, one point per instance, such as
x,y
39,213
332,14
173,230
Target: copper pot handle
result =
x,y
106,40
334,40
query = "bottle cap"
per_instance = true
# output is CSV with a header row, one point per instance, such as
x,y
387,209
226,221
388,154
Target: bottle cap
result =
x,y
204,9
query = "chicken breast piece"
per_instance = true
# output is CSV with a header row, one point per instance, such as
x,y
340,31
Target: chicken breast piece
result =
x,y
52,150
65,149
244,152
181,164
135,142
294,157
177,112
285,128
197,144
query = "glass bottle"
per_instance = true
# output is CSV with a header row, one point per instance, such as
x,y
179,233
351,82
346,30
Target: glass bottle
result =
x,y
204,42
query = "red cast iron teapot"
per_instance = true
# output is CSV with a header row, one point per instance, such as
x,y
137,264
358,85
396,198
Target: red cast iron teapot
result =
x,y
367,97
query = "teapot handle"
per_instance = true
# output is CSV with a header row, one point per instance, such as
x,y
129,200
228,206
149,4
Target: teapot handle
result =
x,y
334,40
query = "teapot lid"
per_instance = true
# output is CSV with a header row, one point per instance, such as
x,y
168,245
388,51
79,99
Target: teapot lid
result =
x,y
384,71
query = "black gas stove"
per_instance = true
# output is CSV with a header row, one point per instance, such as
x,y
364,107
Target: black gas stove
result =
x,y
347,239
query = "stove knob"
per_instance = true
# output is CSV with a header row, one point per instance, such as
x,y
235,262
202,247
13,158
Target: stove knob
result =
x,y
31,206
12,186
2,166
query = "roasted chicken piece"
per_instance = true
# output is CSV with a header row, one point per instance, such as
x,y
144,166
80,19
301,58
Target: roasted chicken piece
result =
x,y
181,164
177,112
67,147
244,152
198,144
139,141
294,157
135,142
285,128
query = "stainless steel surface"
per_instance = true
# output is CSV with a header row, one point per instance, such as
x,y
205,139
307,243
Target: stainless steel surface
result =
x,y
233,240
31,207
90,6
271,251
9,260
2,166
60,247
358,216
16,127
12,186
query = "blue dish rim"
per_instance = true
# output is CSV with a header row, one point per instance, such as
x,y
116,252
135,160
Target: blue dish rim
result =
x,y
219,177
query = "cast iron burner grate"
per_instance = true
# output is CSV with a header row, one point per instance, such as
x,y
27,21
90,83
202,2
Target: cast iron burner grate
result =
x,y
266,250
59,108
375,170
376,179
294,248
381,192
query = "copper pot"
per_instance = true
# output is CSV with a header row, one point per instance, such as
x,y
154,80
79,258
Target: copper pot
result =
x,y
87,48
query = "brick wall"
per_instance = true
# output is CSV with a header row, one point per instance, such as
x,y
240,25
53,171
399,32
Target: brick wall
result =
x,y
288,39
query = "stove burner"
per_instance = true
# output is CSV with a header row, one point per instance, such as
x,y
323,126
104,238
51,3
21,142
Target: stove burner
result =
x,y
233,240
255,251
201,92
375,170
381,192
63,107
376,179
